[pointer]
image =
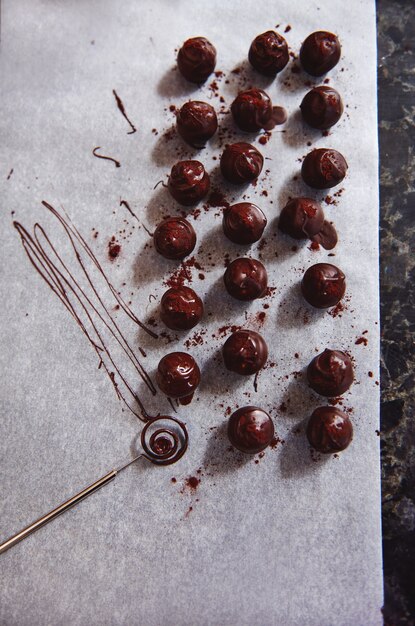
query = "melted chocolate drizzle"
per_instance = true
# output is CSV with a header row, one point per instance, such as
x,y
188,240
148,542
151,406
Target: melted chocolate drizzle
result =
x,y
120,105
49,263
131,212
107,158
164,440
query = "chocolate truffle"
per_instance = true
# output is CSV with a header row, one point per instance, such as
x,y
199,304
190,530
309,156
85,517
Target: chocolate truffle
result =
x,y
250,429
246,279
268,53
252,110
245,352
196,59
178,376
323,168
196,123
330,373
323,285
181,308
188,182
241,163
322,107
329,429
301,218
320,52
243,223
174,238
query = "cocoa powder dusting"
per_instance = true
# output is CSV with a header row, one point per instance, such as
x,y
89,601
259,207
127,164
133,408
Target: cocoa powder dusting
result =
x,y
275,441
217,199
337,311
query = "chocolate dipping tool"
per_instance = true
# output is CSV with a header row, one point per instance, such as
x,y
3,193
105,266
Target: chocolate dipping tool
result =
x,y
164,441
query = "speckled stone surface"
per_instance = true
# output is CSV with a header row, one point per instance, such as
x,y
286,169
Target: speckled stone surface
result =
x,y
396,75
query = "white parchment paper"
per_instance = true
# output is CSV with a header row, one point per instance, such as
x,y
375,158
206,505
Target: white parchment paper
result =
x,y
291,539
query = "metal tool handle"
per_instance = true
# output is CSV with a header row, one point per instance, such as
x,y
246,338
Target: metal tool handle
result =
x,y
60,509
160,445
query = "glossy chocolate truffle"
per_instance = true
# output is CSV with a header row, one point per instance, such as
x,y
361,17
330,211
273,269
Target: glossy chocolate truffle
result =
x,y
181,308
174,238
245,352
178,376
323,285
246,279
330,373
268,53
301,218
252,110
188,182
250,429
323,168
243,223
322,107
241,163
196,123
329,429
320,52
196,59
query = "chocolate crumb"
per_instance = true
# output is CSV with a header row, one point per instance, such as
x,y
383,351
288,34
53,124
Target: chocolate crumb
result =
x,y
114,249
192,482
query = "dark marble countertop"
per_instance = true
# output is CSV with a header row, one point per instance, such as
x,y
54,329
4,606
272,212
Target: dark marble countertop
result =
x,y
396,84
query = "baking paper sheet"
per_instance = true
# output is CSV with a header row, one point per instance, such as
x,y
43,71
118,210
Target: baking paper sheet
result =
x,y
286,539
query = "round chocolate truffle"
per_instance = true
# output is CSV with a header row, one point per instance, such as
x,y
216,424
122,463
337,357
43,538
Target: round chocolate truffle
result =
x,y
178,376
329,429
246,279
241,163
323,168
250,429
174,238
301,218
181,308
243,223
245,352
320,52
330,373
268,53
196,123
323,285
188,182
252,110
196,59
322,107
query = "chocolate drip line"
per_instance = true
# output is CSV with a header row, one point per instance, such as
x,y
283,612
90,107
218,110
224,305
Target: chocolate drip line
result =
x,y
131,212
48,262
121,107
106,158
